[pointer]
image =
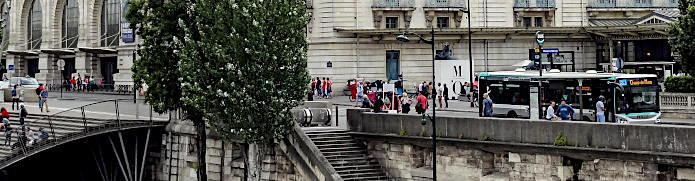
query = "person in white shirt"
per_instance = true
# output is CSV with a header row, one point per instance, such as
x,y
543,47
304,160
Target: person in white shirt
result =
x,y
550,112
440,93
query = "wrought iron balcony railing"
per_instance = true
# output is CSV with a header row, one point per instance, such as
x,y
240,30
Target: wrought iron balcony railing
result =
x,y
445,3
393,3
534,3
633,4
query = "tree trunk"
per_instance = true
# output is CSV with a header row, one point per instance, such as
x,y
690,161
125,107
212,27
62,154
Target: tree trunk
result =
x,y
255,161
202,149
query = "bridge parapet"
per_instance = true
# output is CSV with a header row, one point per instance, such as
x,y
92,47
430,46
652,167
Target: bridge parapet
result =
x,y
672,139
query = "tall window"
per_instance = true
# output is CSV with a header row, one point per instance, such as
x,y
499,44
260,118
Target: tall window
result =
x,y
527,22
391,22
5,18
110,23
70,23
442,22
392,64
34,26
538,22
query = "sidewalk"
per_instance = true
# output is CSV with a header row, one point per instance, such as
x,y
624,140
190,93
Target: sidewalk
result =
x,y
454,105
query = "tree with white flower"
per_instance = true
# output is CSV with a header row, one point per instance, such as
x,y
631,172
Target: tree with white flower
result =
x,y
237,67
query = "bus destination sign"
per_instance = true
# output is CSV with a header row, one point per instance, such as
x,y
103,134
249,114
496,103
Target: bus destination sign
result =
x,y
636,82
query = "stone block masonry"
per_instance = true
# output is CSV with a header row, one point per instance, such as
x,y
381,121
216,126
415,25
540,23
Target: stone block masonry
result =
x,y
225,160
408,161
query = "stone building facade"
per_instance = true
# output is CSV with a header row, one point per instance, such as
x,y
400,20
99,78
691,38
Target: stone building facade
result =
x,y
91,36
358,37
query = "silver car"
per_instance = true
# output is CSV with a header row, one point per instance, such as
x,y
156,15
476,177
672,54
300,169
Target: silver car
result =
x,y
24,82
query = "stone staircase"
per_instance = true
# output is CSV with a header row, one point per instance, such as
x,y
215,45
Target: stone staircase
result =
x,y
347,157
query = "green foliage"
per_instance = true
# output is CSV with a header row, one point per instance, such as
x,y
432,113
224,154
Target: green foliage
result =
x,y
560,140
682,35
485,138
402,133
439,134
460,136
422,133
239,66
680,84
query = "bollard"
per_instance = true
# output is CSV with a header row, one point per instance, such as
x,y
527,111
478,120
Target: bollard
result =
x,y
336,116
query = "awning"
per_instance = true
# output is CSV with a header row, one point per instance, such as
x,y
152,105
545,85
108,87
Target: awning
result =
x,y
58,51
649,63
23,52
100,50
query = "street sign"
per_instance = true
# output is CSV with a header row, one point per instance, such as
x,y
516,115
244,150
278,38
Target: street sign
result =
x,y
389,87
329,64
551,50
540,37
10,67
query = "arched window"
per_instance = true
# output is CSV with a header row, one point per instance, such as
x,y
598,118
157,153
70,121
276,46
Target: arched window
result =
x,y
34,26
5,18
110,23
70,23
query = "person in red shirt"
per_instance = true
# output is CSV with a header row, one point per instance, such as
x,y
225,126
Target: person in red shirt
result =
x,y
4,113
422,101
72,83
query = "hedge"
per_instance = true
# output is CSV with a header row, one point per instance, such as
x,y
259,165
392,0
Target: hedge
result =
x,y
680,84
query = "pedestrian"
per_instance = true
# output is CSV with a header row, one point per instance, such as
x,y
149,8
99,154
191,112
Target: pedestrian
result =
x,y
405,103
420,87
8,135
85,84
30,136
467,87
4,114
5,124
440,93
15,97
379,85
323,87
377,104
4,77
21,141
366,103
487,106
565,111
550,112
22,114
352,84
446,96
359,93
313,86
430,88
44,134
72,83
319,93
310,96
44,98
38,93
79,82
600,110
399,85
421,105
329,83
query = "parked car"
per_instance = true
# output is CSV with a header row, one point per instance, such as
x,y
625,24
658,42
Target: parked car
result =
x,y
25,82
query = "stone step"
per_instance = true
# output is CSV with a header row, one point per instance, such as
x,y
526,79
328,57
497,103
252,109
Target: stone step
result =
x,y
345,148
367,178
334,157
323,142
369,170
358,175
350,152
329,137
327,145
322,130
326,133
359,162
348,159
362,166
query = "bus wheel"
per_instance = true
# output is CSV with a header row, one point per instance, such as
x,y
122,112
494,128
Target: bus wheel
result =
x,y
511,114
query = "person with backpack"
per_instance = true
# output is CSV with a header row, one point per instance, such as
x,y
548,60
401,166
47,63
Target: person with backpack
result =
x,y
318,87
15,97
421,106
44,98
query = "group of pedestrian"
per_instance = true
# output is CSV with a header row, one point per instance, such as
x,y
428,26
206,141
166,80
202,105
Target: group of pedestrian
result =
x,y
566,112
42,93
322,88
86,84
26,136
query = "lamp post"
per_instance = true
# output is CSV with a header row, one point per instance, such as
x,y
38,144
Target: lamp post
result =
x,y
404,38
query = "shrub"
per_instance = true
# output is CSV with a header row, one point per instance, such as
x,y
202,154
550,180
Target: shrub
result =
x,y
560,140
402,132
684,84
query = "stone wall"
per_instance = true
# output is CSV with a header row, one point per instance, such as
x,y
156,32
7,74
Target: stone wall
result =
x,y
408,161
225,159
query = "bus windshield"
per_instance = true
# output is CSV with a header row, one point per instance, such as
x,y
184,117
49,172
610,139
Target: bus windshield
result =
x,y
643,99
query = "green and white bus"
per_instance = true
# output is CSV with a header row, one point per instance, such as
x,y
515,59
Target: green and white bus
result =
x,y
630,98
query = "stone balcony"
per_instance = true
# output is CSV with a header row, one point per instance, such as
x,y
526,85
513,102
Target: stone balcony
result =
x,y
393,3
534,4
445,4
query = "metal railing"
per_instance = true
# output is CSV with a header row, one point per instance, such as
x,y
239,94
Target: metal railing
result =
x,y
91,88
677,101
393,3
63,126
633,4
534,3
445,3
